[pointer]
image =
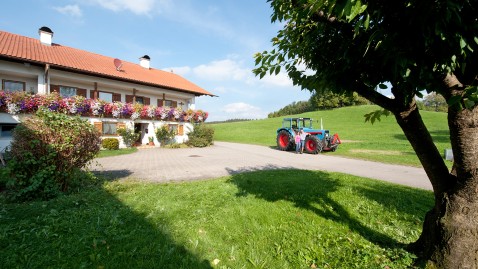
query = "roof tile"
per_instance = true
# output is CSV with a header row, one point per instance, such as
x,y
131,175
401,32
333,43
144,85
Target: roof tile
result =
x,y
30,49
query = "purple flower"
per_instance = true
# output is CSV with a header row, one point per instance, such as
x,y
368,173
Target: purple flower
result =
x,y
53,106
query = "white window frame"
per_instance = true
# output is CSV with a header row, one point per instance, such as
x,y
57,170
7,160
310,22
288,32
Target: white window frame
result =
x,y
67,92
5,81
106,96
6,129
109,128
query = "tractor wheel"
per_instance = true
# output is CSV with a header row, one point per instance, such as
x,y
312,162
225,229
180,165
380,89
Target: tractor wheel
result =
x,y
284,140
312,145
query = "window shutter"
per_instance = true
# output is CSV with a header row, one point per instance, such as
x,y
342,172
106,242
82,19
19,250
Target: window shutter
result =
x,y
160,102
81,92
54,88
99,126
129,98
93,94
181,129
120,125
174,104
146,100
116,97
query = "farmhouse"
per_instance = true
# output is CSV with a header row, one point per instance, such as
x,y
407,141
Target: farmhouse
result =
x,y
39,66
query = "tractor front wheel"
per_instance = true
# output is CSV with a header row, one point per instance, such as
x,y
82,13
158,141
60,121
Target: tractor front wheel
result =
x,y
312,145
284,140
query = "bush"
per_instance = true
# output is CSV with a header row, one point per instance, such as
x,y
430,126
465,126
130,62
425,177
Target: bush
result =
x,y
164,135
110,143
201,136
48,149
129,136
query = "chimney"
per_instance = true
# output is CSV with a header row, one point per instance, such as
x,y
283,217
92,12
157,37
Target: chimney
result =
x,y
46,35
144,61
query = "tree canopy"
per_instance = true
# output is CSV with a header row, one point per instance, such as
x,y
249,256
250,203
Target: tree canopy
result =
x,y
415,45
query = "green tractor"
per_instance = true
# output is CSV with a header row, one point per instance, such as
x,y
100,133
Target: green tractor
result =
x,y
317,140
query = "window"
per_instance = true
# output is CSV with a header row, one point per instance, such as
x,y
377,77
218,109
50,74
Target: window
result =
x,y
173,127
106,96
140,100
66,92
6,130
168,103
109,128
13,86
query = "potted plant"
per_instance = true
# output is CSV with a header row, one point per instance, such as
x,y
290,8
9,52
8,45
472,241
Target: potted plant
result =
x,y
151,141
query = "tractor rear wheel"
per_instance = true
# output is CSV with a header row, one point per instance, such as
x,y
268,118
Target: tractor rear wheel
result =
x,y
284,140
312,145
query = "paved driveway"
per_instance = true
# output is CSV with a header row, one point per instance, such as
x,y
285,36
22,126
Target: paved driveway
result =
x,y
222,159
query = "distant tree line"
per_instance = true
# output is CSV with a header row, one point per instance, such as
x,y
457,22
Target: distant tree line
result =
x,y
326,99
433,102
229,120
320,100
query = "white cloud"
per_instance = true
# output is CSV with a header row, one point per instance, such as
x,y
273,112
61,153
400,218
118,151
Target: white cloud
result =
x,y
243,111
279,80
222,70
138,7
70,10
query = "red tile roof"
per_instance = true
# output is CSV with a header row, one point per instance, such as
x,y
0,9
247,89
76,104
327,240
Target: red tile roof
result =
x,y
31,50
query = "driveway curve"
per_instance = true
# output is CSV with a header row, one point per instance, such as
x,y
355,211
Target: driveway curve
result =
x,y
224,158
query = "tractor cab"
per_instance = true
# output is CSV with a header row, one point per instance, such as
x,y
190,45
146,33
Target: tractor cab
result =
x,y
297,123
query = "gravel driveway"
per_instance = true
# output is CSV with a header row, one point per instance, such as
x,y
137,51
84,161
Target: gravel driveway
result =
x,y
224,158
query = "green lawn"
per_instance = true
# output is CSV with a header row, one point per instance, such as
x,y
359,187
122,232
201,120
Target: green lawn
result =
x,y
266,219
109,153
382,141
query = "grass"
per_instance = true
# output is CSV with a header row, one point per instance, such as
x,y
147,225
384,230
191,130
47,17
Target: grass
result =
x,y
382,141
110,153
263,219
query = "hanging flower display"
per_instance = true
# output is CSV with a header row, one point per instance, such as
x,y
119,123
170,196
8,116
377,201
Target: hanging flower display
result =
x,y
21,102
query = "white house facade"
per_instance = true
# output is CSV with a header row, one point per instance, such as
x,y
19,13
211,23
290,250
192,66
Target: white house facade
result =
x,y
39,66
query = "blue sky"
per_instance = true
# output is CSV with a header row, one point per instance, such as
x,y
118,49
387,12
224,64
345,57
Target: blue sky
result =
x,y
209,42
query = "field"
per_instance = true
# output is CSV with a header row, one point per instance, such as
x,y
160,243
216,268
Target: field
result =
x,y
263,219
382,141
266,219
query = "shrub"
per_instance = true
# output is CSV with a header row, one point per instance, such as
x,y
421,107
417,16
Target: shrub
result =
x,y
129,136
47,150
164,134
201,136
110,143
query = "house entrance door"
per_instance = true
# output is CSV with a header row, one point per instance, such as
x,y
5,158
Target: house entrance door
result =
x,y
138,130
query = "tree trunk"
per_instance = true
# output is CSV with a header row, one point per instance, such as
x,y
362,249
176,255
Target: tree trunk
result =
x,y
458,220
450,232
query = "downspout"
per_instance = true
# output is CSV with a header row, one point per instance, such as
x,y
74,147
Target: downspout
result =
x,y
47,78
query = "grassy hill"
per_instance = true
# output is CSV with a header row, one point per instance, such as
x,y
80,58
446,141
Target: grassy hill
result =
x,y
382,141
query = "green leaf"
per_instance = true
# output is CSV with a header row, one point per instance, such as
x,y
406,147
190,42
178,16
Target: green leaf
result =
x,y
367,22
462,42
469,103
382,86
376,115
277,70
454,100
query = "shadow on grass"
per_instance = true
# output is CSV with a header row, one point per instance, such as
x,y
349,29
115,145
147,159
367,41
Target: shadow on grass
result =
x,y
438,136
92,229
311,190
109,175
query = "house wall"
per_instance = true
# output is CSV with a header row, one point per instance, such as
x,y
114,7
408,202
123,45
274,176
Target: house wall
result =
x,y
38,79
148,128
63,78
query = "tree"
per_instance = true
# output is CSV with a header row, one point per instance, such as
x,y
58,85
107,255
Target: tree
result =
x,y
357,45
48,151
435,101
327,99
